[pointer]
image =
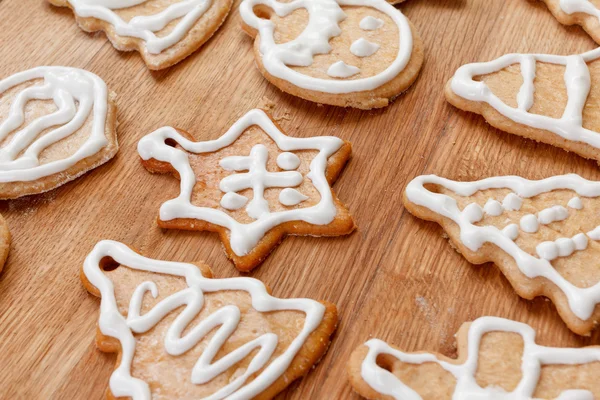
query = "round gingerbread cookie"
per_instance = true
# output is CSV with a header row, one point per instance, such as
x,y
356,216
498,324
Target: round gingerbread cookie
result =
x,y
360,53
56,123
164,32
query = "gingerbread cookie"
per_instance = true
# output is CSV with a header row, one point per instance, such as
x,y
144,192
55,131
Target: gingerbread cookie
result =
x,y
285,191
544,235
497,359
164,32
577,12
56,123
361,54
4,242
181,334
538,96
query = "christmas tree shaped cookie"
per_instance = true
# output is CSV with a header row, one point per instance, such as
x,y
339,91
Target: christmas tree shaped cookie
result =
x,y
181,334
544,235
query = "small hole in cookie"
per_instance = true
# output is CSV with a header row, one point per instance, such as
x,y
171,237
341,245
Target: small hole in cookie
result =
x,y
262,11
385,362
108,264
170,142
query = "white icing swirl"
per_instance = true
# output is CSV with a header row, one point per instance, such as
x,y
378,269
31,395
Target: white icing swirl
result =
x,y
243,237
145,27
534,357
77,94
291,197
263,369
288,161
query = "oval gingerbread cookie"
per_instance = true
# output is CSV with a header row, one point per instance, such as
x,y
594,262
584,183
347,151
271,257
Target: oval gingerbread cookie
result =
x,y
360,53
56,123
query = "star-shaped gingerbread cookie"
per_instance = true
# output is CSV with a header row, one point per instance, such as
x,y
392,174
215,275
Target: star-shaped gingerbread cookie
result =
x,y
253,185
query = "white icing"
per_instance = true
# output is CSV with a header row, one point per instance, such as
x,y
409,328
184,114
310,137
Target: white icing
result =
x,y
291,197
473,213
323,25
582,301
342,70
575,203
77,94
363,48
493,208
579,6
552,214
243,237
233,201
257,178
534,357
512,202
511,231
145,27
594,234
529,223
223,322
288,161
370,23
577,81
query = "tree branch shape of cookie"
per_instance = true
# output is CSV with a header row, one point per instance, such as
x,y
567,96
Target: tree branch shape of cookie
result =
x,y
544,235
513,104
580,12
341,81
408,376
247,244
46,112
164,37
223,323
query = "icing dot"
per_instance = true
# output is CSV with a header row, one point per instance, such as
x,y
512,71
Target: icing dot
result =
x,y
566,247
493,208
511,231
512,202
342,70
595,234
363,48
288,161
552,214
233,201
581,241
473,212
547,250
575,203
529,223
291,197
370,23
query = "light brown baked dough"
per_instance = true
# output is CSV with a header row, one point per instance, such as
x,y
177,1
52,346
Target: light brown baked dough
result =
x,y
289,27
590,23
168,376
200,32
498,365
5,240
37,108
550,99
206,193
580,268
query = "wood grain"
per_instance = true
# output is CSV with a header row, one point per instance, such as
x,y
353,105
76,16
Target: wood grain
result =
x,y
396,278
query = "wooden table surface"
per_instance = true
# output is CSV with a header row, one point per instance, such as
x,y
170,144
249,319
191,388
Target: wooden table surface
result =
x,y
395,278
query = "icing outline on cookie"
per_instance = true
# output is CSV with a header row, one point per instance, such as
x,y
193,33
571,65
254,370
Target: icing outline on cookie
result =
x,y
243,237
582,301
534,356
579,6
144,27
112,323
65,86
577,81
324,17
